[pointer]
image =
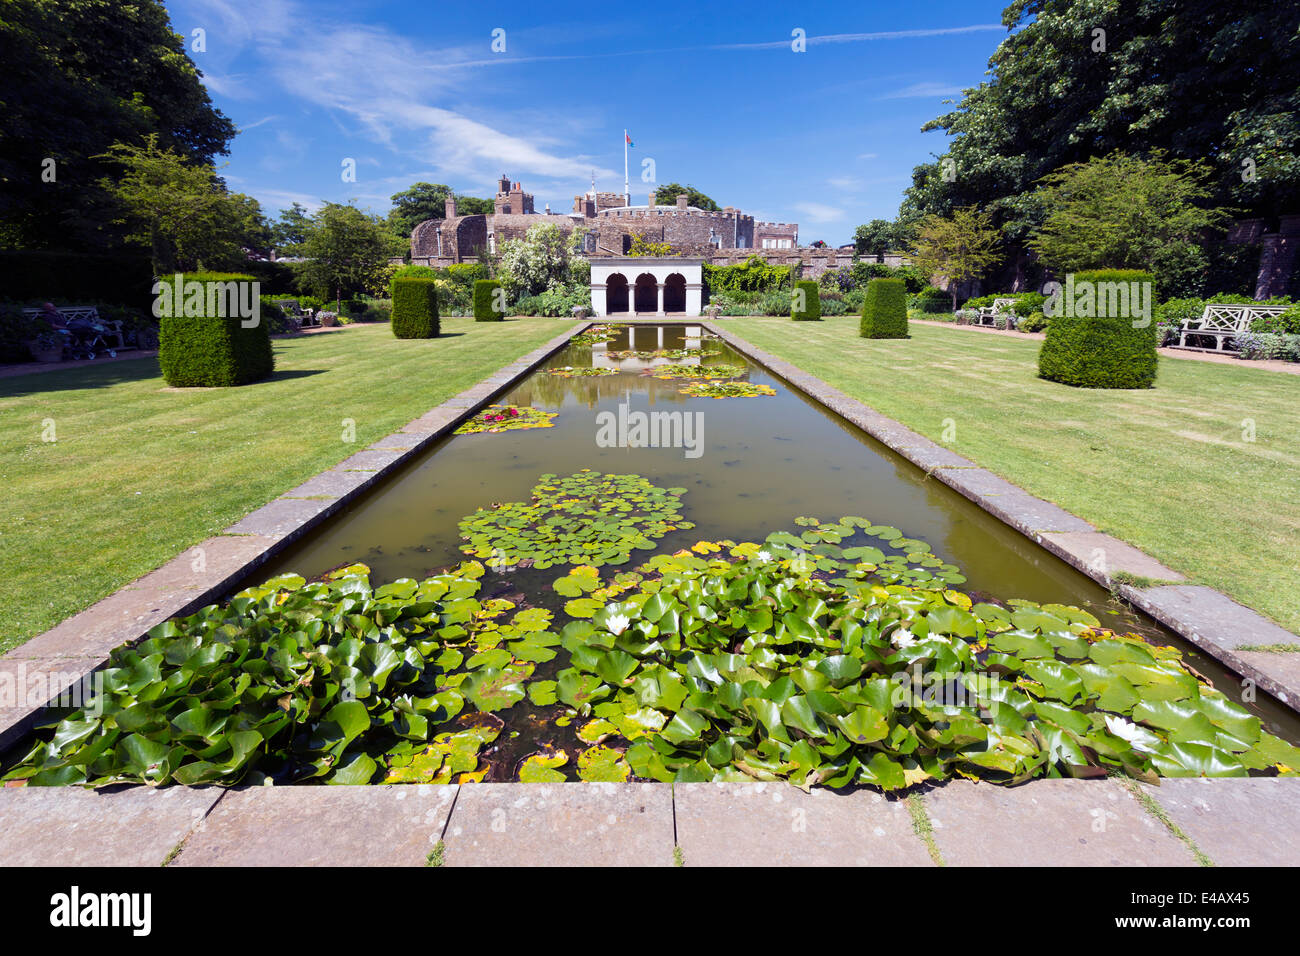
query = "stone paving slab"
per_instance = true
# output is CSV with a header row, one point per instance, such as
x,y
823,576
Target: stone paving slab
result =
x,y
1251,821
929,456
27,685
69,826
1282,667
977,483
120,617
1049,823
563,824
774,824
322,826
397,441
282,518
367,460
1208,618
1106,553
331,484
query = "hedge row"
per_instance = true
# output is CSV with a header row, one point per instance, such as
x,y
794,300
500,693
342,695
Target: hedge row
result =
x,y
812,306
485,310
884,310
213,351
415,308
1101,351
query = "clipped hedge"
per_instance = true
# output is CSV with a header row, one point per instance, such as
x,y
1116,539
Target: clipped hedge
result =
x,y
1104,350
212,351
884,310
415,308
484,292
812,305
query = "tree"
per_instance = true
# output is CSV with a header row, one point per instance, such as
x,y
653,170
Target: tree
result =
x,y
346,251
877,237
1123,212
290,230
1082,78
181,209
543,259
959,247
667,196
79,76
425,201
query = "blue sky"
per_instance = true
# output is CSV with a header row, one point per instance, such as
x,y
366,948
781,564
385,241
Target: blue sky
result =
x,y
713,93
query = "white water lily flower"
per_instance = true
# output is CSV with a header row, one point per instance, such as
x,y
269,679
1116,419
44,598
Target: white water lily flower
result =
x,y
616,623
1135,736
764,556
903,638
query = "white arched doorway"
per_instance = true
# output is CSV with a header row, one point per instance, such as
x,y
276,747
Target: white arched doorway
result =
x,y
648,285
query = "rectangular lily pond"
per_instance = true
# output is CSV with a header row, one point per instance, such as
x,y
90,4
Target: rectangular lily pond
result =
x,y
653,559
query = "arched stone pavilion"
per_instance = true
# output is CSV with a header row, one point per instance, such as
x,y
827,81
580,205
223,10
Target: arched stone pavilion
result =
x,y
644,285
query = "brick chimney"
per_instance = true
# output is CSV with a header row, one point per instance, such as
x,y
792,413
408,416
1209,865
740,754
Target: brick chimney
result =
x,y
651,201
451,206
681,201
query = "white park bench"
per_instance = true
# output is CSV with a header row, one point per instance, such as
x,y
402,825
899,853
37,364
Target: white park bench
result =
x,y
113,337
1223,322
988,314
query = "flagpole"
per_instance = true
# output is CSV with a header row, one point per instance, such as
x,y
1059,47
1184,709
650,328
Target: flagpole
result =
x,y
627,191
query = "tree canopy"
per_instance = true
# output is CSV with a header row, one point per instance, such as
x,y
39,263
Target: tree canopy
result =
x,y
424,201
1202,80
667,196
181,209
80,76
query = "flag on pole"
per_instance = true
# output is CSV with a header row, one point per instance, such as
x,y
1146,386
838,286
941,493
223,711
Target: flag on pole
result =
x,y
629,140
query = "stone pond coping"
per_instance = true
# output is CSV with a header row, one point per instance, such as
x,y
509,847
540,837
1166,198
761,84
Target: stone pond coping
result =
x,y
64,655
1108,822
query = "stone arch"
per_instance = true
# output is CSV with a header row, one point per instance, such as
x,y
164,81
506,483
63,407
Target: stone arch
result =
x,y
647,293
616,297
675,293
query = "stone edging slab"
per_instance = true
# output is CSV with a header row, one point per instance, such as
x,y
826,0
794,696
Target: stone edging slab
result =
x,y
1229,822
1204,617
61,658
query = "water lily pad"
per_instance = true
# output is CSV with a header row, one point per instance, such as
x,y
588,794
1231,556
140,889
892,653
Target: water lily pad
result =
x,y
603,765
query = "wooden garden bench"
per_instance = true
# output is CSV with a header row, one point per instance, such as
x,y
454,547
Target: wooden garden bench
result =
x,y
1223,322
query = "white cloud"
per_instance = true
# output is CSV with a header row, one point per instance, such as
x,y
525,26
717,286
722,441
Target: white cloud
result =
x,y
819,212
922,90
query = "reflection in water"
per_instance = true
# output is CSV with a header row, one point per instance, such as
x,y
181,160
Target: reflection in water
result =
x,y
765,461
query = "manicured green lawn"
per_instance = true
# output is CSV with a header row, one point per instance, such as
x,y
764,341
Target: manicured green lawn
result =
x,y
1167,469
140,472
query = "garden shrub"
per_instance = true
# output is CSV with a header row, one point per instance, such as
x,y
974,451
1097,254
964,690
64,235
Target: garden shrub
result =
x,y
884,310
16,330
411,272
213,351
1268,345
1034,322
467,273
932,300
755,274
484,305
415,308
1170,315
557,303
1100,351
1285,323
812,307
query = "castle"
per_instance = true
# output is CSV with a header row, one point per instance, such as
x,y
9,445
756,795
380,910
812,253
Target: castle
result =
x,y
726,235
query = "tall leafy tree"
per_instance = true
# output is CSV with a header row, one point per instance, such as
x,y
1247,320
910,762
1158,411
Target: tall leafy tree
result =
x,y
877,237
291,229
181,209
1202,80
79,76
1124,212
959,247
667,196
424,201
346,251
